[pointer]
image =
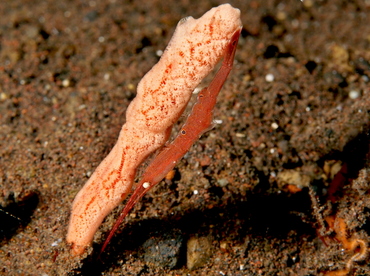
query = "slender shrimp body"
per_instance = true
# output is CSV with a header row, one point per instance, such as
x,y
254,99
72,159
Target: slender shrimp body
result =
x,y
199,121
162,95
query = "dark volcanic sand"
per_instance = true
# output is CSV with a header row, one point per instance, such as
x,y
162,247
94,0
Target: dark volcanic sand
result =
x,y
68,70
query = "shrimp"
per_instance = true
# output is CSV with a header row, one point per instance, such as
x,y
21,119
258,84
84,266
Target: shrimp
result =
x,y
162,95
198,122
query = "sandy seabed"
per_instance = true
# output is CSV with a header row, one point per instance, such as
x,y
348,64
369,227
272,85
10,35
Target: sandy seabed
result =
x,y
289,151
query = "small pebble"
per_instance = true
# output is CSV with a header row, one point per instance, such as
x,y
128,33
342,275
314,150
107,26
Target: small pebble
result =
x,y
66,83
269,78
163,251
3,96
159,53
106,76
198,252
222,182
170,175
130,86
274,125
56,242
307,3
354,94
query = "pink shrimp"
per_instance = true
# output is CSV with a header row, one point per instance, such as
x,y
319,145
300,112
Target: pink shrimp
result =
x,y
198,122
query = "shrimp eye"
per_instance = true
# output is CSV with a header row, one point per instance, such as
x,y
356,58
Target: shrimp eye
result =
x,y
183,132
